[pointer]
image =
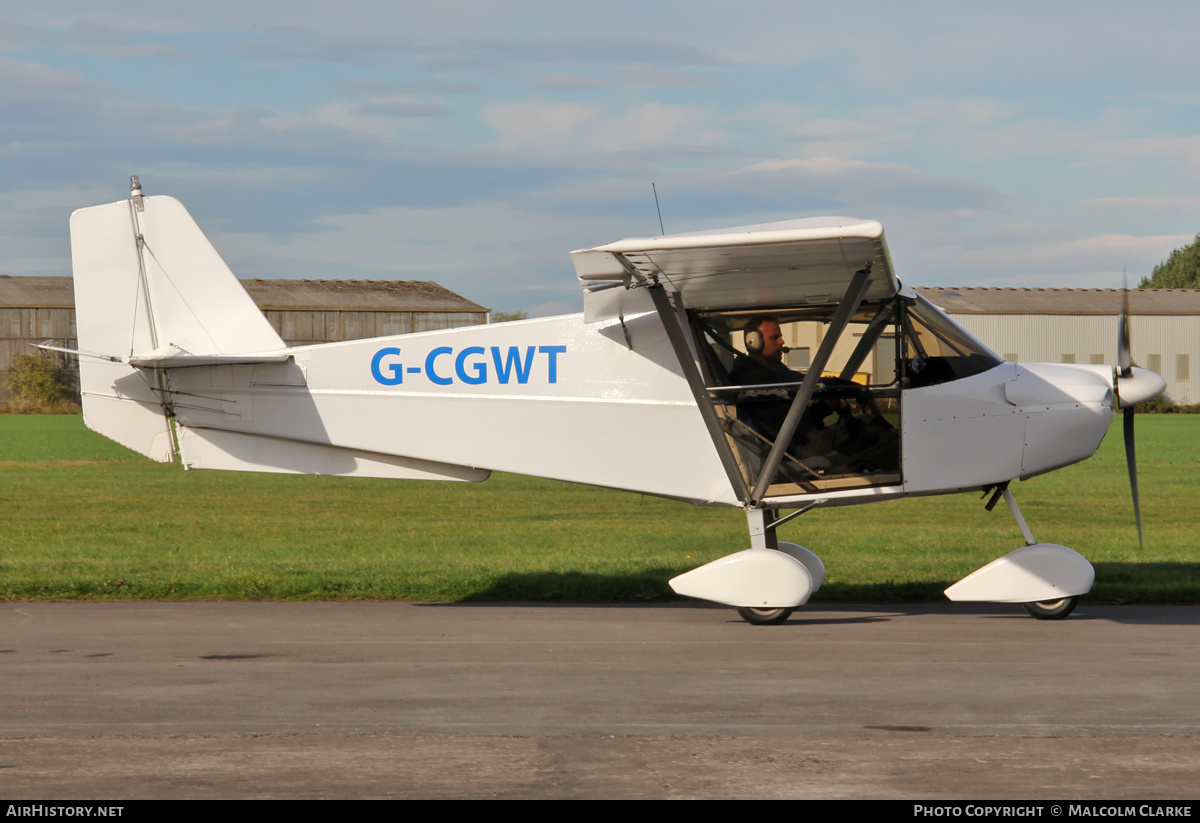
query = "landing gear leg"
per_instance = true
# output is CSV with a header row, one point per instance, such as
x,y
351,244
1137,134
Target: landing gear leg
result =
x,y
1044,609
762,536
1016,513
762,524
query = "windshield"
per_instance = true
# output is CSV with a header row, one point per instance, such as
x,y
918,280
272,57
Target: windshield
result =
x,y
936,349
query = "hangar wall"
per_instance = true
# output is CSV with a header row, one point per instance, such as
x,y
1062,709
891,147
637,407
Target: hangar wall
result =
x,y
42,309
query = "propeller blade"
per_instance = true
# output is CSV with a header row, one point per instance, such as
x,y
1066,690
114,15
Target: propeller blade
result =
x,y
1131,459
1124,357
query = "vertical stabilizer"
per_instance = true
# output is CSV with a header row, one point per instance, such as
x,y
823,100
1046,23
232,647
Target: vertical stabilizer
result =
x,y
147,280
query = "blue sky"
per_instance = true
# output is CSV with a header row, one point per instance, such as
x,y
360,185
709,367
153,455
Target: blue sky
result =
x,y
476,144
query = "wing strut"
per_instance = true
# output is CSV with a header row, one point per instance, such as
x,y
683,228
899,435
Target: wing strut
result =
x,y
870,337
687,361
846,309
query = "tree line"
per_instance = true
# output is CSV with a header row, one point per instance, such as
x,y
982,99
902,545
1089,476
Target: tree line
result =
x,y
1179,271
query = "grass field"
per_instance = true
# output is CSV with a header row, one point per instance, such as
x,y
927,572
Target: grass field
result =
x,y
85,518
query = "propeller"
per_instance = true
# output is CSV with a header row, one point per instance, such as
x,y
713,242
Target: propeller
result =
x,y
1125,373
1133,385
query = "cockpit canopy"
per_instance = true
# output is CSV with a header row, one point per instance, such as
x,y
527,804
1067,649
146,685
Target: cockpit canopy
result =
x,y
830,286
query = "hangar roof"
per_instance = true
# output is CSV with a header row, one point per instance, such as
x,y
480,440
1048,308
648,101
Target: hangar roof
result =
x,y
36,292
356,295
282,295
986,300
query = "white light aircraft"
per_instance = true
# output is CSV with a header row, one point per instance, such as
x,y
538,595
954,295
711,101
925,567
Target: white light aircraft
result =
x,y
646,391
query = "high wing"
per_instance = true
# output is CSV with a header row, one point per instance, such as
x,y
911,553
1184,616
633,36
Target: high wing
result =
x,y
794,262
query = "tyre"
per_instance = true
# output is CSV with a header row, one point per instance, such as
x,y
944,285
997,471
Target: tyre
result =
x,y
1052,609
764,617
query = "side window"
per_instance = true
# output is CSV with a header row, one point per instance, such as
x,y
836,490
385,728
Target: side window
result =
x,y
754,363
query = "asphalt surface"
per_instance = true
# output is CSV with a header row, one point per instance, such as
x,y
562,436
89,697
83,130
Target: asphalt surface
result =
x,y
396,700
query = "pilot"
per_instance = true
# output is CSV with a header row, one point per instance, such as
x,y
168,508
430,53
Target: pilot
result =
x,y
821,443
763,361
763,364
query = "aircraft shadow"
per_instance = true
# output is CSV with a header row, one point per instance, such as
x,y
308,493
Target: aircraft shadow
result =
x,y
1144,593
651,586
580,587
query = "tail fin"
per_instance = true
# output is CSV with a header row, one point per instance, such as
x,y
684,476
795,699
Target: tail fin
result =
x,y
147,282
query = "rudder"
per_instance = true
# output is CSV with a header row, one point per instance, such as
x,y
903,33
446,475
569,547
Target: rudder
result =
x,y
148,280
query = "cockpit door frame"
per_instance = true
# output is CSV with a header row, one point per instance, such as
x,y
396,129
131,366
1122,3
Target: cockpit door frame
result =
x,y
682,340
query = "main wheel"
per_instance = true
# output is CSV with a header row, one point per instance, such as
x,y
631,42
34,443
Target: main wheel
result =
x,y
764,617
1052,609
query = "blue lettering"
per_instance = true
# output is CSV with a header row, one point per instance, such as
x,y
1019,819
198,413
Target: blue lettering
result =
x,y
433,375
505,368
470,365
480,368
396,369
554,352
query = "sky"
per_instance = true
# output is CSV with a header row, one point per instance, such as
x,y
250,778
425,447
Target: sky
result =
x,y
1048,144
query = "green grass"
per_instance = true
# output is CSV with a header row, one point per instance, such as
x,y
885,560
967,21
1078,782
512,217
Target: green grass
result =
x,y
85,518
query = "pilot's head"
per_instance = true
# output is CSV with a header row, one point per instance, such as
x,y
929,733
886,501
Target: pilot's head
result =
x,y
763,338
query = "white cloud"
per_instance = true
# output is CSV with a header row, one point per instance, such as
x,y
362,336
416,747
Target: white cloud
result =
x,y
537,123
976,129
382,120
553,126
1184,149
826,183
1189,202
96,39
378,88
626,78
570,82
1107,245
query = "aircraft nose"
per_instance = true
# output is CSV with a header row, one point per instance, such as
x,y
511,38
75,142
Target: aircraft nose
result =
x,y
1036,384
1067,410
1141,385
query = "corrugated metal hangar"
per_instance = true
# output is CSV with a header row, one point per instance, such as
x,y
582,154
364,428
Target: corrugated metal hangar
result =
x,y
41,309
1080,326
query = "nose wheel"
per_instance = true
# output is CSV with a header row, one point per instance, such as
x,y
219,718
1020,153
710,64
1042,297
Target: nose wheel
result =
x,y
1051,609
764,617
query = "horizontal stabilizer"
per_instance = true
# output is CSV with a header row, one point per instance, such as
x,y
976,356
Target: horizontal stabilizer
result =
x,y
172,357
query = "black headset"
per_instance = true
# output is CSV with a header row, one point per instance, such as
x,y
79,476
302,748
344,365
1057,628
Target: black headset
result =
x,y
752,336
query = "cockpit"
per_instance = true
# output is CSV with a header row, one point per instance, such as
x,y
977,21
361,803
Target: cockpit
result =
x,y
849,433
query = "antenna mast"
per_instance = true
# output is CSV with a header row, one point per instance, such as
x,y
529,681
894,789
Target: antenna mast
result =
x,y
660,223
